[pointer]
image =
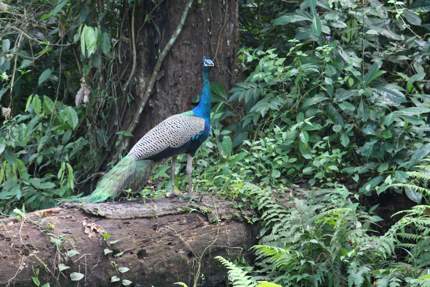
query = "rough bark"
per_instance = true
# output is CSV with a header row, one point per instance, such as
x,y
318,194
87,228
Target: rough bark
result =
x,y
211,29
161,242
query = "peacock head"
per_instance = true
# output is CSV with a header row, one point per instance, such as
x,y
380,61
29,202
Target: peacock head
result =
x,y
207,62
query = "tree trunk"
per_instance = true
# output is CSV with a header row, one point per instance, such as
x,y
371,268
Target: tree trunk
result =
x,y
211,29
160,242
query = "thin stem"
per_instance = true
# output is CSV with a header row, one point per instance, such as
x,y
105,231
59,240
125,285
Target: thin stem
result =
x,y
133,41
12,81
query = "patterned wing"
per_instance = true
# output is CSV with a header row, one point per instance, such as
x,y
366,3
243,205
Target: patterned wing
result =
x,y
172,132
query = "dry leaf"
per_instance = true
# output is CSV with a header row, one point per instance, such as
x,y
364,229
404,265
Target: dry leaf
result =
x,y
6,112
83,95
92,229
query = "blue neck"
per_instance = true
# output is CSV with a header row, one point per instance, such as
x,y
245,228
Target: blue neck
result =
x,y
203,109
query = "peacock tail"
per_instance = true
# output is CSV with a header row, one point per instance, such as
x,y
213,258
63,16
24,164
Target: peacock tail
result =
x,y
176,134
126,173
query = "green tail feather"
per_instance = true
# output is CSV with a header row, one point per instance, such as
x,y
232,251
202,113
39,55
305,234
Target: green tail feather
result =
x,y
127,172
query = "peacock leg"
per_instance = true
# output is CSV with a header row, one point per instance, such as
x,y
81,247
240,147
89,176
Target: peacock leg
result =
x,y
189,172
172,175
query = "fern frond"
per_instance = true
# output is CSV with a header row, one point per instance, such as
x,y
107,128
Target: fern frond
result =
x,y
413,187
237,276
421,175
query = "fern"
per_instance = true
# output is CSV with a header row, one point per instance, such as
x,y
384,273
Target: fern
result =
x,y
326,239
358,275
412,233
314,242
418,185
240,278
413,187
237,276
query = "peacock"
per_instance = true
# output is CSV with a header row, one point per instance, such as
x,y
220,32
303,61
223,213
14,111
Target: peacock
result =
x,y
180,133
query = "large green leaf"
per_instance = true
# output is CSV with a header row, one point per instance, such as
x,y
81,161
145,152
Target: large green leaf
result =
x,y
412,17
70,117
304,137
226,146
316,26
89,39
36,104
316,21
43,184
367,149
266,104
317,99
10,189
290,18
371,184
305,150
344,139
106,43
44,76
373,74
413,111
347,107
48,105
342,94
57,9
422,5
2,148
389,95
421,153
267,284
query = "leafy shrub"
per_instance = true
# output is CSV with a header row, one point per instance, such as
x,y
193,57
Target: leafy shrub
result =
x,y
37,150
64,50
353,111
343,97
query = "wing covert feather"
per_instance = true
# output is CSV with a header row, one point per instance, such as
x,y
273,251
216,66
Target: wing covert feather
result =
x,y
173,132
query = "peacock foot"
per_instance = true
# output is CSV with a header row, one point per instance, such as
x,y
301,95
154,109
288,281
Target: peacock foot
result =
x,y
174,192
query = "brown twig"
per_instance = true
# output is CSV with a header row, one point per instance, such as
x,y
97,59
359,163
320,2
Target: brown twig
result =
x,y
25,34
12,81
133,43
221,30
200,258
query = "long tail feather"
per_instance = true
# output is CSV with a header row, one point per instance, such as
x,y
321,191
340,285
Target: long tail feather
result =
x,y
128,171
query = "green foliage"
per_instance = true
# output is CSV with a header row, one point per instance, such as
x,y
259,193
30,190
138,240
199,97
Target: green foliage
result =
x,y
412,232
240,278
326,239
37,152
353,111
36,281
236,275
63,49
417,187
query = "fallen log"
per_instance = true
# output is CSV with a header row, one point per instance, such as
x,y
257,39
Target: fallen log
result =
x,y
155,243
